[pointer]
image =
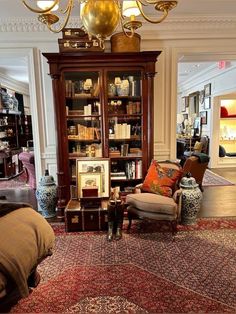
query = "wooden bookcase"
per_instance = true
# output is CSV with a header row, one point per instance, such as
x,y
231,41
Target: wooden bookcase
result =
x,y
104,108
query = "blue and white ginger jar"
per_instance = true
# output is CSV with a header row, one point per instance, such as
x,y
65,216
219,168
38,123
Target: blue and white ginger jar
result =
x,y
46,195
191,200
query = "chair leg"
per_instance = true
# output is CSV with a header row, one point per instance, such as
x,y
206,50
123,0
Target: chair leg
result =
x,y
130,220
174,227
27,174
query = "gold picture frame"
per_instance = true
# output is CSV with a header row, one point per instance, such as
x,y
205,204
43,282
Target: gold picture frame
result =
x,y
88,166
89,180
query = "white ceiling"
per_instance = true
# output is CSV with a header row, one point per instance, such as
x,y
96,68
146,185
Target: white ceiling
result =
x,y
17,68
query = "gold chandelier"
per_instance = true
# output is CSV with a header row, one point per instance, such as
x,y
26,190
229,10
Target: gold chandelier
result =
x,y
100,18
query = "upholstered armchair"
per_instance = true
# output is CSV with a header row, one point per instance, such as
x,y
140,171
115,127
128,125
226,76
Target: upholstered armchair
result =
x,y
146,205
196,165
164,203
201,146
27,159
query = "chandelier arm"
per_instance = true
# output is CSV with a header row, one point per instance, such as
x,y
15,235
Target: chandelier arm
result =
x,y
165,13
127,33
40,11
71,3
68,10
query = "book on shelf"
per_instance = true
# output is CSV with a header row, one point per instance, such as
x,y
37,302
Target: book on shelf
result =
x,y
118,175
114,152
124,149
96,89
119,178
75,112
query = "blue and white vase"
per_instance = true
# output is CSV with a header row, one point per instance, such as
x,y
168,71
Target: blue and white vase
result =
x,y
46,195
191,200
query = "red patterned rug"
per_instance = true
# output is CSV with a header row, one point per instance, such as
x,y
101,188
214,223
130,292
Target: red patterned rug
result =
x,y
144,272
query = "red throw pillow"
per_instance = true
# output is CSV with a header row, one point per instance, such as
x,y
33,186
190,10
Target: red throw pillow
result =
x,y
161,180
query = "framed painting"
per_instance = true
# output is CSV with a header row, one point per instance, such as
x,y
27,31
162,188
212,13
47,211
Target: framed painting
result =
x,y
203,115
89,180
207,103
207,89
185,103
194,103
90,166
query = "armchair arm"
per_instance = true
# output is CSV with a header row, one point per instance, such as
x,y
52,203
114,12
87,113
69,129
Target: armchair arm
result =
x,y
137,188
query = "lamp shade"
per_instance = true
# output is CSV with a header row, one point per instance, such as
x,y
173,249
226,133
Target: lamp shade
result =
x,y
130,8
44,4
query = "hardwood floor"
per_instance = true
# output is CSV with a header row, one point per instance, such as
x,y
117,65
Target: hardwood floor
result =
x,y
218,201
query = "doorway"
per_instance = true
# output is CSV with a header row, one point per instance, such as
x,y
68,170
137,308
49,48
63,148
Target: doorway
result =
x,y
17,73
202,73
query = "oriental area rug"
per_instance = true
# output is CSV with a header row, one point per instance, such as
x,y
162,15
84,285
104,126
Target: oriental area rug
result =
x,y
19,182
147,271
212,179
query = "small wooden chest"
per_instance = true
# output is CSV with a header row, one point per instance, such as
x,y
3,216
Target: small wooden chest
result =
x,y
76,39
78,218
75,45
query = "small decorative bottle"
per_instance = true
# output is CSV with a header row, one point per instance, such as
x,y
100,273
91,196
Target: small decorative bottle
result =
x,y
46,195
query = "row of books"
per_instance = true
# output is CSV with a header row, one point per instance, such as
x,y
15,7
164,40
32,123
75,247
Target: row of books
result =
x,y
77,89
86,133
121,130
133,170
125,151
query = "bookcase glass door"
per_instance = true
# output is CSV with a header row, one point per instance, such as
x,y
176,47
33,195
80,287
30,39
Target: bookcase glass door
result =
x,y
125,121
83,115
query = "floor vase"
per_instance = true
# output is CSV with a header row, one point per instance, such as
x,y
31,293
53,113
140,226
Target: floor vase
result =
x,y
191,200
46,195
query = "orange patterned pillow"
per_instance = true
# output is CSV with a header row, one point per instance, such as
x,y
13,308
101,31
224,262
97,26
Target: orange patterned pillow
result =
x,y
161,180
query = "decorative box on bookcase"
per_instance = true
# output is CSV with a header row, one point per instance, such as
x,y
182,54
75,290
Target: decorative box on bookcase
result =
x,y
104,108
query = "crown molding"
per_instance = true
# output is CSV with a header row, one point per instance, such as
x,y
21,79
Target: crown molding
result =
x,y
173,27
24,24
194,27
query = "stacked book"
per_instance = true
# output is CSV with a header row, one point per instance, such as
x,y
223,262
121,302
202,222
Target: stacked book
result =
x,y
114,153
118,175
135,151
